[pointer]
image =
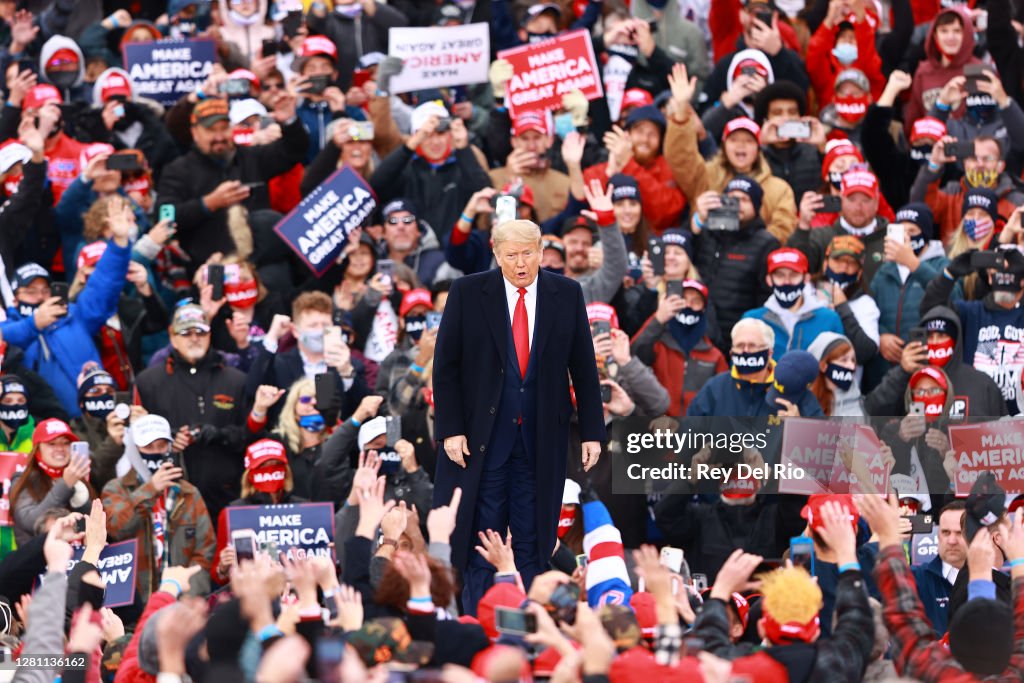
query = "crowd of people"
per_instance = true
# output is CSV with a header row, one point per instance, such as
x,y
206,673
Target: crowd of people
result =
x,y
778,209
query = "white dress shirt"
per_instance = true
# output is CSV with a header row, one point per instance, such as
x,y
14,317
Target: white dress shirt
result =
x,y
949,573
512,297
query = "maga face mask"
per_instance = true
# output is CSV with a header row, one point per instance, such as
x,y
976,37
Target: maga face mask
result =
x,y
99,406
940,353
688,327
750,363
918,243
566,517
414,326
787,295
839,375
835,178
852,108
27,310
14,416
844,280
268,479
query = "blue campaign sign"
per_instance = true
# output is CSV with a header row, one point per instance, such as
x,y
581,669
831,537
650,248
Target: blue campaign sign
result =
x,y
924,547
318,228
117,567
167,70
305,527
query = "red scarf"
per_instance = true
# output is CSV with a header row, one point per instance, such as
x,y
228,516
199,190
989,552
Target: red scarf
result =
x,y
54,472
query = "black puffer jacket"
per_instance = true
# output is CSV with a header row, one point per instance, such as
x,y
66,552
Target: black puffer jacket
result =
x,y
734,266
356,37
799,165
155,141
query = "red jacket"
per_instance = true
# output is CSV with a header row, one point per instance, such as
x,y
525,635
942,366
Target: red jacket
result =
x,y
931,75
663,201
724,23
823,67
284,189
129,671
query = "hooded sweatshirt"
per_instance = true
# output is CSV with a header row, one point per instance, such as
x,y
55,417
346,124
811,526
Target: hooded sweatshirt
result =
x,y
796,328
931,74
76,90
247,33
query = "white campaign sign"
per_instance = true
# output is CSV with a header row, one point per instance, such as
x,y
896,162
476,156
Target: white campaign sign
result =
x,y
440,56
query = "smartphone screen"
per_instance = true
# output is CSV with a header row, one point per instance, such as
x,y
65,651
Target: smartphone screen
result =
x,y
514,621
801,553
656,255
167,212
245,545
215,277
326,391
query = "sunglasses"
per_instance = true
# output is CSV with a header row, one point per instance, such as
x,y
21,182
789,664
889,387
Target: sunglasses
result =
x,y
404,219
306,400
193,333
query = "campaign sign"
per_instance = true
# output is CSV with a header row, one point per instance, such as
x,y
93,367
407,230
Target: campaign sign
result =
x,y
117,567
10,464
166,70
440,56
811,446
996,447
543,72
924,548
318,228
307,528
859,458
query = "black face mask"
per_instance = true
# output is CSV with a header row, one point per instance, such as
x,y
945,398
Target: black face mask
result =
x,y
921,154
155,460
98,406
840,376
532,38
750,363
414,326
787,295
62,79
687,327
27,310
1005,282
836,179
14,416
918,244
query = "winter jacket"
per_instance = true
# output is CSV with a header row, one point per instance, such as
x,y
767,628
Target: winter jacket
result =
x,y
356,37
440,191
129,670
813,244
59,352
990,333
603,283
947,201
823,67
681,373
1006,126
141,128
663,198
209,396
103,451
27,511
814,318
639,381
188,531
21,441
427,261
695,176
42,401
188,178
27,228
798,164
728,394
890,161
934,591
550,189
787,65
679,37
931,75
898,299
734,266
248,37
859,315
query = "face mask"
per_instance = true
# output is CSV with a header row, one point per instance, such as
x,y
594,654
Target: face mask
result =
x,y
933,406
154,460
979,178
312,340
351,11
852,108
835,178
688,327
628,52
921,153
940,353
99,407
14,416
739,488
844,280
532,38
841,376
27,310
787,295
53,472
269,479
62,79
312,423
750,363
414,326
242,294
564,125
845,53
978,230
250,19
918,244
1005,282
566,518
981,107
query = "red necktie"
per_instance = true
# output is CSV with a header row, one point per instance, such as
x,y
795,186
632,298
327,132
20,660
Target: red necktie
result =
x,y
521,332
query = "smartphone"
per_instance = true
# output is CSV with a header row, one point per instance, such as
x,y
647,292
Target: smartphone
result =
x,y
326,391
960,149
764,17
921,524
656,255
80,449
916,408
514,621
215,277
254,185
291,23
831,203
672,558
361,130
330,650
433,320
386,268
600,327
563,601
505,209
270,47
674,287
974,73
80,525
748,71
606,393
794,130
979,260
174,458
700,583
895,231
167,212
801,553
360,77
244,542
236,87
581,560
725,217
317,84
919,334
60,289
123,161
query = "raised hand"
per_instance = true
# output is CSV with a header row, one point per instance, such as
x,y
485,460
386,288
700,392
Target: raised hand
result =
x,y
441,520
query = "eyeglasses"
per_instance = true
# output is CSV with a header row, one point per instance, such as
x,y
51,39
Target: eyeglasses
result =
x,y
306,400
193,332
927,393
404,219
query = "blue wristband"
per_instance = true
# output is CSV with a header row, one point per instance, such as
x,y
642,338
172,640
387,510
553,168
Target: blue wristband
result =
x,y
355,422
466,218
418,369
942,107
697,221
267,632
1019,562
424,599
849,566
176,584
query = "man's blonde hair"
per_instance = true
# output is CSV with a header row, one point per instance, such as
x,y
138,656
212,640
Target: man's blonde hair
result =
x,y
515,231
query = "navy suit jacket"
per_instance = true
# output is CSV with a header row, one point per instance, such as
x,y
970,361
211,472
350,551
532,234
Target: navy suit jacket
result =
x,y
470,362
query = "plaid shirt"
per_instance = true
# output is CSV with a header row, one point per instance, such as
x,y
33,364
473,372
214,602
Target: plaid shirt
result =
x,y
918,653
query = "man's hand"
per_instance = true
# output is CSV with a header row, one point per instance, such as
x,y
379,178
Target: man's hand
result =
x,y
938,156
372,509
283,107
897,83
335,98
393,524
227,194
591,454
734,576
838,533
787,408
599,198
457,449
683,87
620,150
460,135
182,439
520,162
441,520
407,452
912,427
139,276
953,92
960,266
166,475
882,515
56,549
914,357
365,476
279,326
425,131
85,635
174,633
936,440
368,408
350,608
23,31
266,397
238,329
810,202
497,552
981,555
620,404
19,85
707,201
49,312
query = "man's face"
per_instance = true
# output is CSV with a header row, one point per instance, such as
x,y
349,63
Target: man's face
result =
x,y
401,231
158,447
844,265
312,321
577,249
746,206
318,66
214,141
850,89
786,276
646,138
986,158
741,150
271,86
532,141
949,38
13,400
437,144
35,293
780,111
192,344
748,340
952,548
859,209
519,261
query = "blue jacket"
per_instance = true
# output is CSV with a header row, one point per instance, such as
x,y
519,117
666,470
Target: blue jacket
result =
x,y
58,352
934,592
815,318
728,394
316,116
899,302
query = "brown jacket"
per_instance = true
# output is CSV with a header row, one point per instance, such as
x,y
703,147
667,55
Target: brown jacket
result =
x,y
695,176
